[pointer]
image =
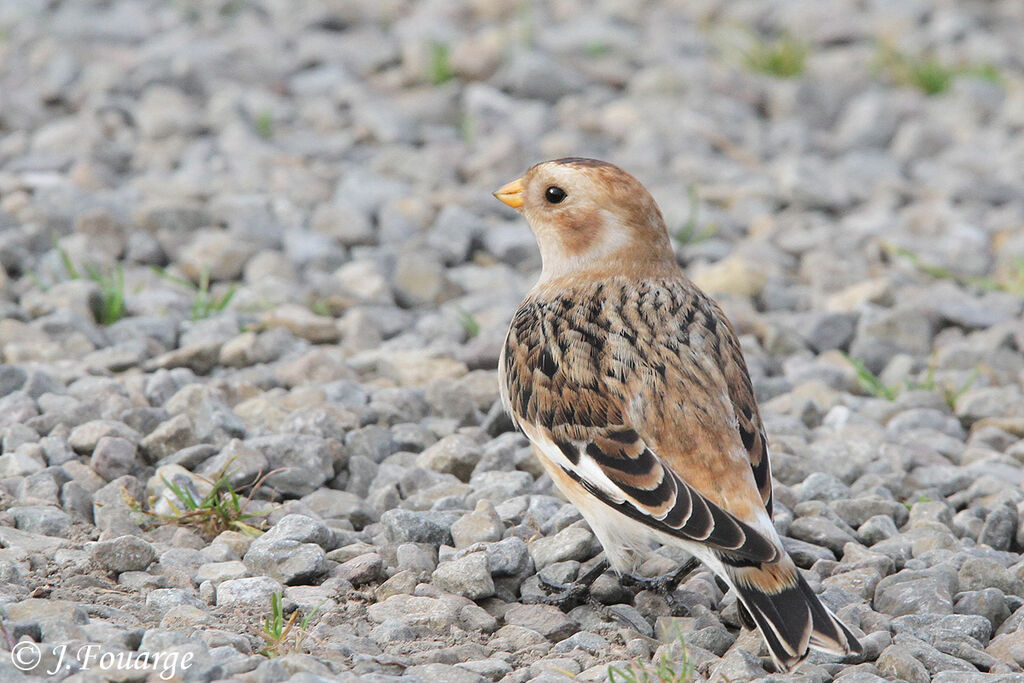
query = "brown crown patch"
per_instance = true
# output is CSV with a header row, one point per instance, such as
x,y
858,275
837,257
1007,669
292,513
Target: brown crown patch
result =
x,y
582,161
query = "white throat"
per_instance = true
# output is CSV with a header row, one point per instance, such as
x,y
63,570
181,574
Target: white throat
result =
x,y
557,262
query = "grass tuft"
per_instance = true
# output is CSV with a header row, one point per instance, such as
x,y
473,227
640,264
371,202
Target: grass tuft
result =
x,y
322,307
468,128
662,671
440,67
870,382
1012,283
222,509
204,304
953,394
691,232
111,284
469,323
111,292
284,636
909,504
873,384
783,57
265,125
926,72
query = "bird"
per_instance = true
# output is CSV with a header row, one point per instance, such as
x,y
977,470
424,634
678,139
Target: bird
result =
x,y
631,386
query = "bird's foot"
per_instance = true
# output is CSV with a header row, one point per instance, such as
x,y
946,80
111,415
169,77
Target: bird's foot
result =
x,y
664,584
566,596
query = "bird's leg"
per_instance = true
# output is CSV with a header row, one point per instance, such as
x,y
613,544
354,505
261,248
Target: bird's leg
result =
x,y
566,596
661,584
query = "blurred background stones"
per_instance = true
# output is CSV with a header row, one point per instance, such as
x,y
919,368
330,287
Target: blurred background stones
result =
x,y
252,244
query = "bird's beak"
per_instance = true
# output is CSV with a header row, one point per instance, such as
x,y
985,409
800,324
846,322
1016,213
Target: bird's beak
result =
x,y
512,194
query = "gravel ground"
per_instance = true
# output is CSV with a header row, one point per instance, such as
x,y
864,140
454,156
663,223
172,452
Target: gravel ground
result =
x,y
256,238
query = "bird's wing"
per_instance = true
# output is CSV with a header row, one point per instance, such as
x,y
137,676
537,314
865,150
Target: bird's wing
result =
x,y
744,405
623,386
618,468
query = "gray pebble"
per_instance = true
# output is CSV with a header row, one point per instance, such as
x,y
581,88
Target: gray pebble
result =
x,y
42,519
467,576
252,592
123,554
403,526
113,457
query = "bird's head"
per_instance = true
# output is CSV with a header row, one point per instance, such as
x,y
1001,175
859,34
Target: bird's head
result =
x,y
589,215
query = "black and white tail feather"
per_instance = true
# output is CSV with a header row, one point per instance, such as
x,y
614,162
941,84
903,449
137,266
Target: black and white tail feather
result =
x,y
792,620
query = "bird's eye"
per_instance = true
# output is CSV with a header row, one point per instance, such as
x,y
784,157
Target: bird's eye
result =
x,y
554,194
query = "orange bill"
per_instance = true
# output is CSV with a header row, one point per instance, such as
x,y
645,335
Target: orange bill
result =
x,y
512,193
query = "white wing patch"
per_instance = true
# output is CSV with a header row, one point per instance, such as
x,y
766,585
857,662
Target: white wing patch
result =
x,y
587,469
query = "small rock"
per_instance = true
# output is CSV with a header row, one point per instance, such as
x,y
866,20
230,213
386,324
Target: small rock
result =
x,y
84,437
443,672
820,531
876,529
420,279
508,557
42,519
299,528
306,462
216,253
168,438
287,561
1008,647
415,611
898,662
163,599
468,576
882,333
572,543
549,621
483,525
629,615
860,582
921,625
806,554
857,511
218,572
402,526
586,641
113,457
123,554
978,573
302,323
492,669
253,592
735,275
359,570
1000,528
36,609
989,603
739,665
919,596
714,639
456,454
402,583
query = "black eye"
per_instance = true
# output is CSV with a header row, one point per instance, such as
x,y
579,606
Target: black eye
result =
x,y
554,194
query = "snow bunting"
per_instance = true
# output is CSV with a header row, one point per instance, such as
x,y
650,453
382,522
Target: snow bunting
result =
x,y
630,384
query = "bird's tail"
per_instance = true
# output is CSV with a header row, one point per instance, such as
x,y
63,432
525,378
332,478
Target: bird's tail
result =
x,y
789,615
